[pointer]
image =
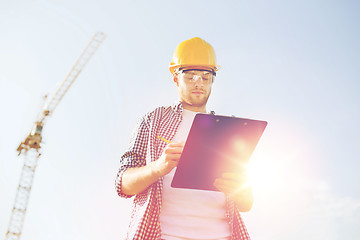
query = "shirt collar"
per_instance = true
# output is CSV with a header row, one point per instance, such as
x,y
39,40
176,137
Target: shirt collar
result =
x,y
178,107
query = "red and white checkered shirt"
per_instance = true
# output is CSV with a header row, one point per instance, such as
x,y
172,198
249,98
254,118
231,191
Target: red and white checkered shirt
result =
x,y
144,148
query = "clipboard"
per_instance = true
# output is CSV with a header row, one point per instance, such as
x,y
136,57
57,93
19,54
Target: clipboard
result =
x,y
215,144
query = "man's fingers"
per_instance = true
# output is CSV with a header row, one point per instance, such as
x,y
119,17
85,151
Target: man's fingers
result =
x,y
173,157
235,176
172,149
177,144
227,183
222,187
229,186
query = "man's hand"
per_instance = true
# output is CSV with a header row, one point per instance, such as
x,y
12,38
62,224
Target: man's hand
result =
x,y
237,187
169,159
136,180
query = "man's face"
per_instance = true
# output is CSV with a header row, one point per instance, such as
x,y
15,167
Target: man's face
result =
x,y
194,86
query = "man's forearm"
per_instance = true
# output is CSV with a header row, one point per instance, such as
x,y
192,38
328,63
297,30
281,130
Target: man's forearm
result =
x,y
136,180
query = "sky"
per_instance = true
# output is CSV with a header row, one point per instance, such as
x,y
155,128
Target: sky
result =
x,y
295,64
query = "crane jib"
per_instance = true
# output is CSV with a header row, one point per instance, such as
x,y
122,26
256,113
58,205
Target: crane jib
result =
x,y
30,147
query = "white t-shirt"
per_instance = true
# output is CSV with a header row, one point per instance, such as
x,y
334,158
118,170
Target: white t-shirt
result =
x,y
188,213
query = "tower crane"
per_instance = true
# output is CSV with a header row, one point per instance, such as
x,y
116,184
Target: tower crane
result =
x,y
30,147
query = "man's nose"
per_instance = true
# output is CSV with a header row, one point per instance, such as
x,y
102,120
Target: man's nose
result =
x,y
196,78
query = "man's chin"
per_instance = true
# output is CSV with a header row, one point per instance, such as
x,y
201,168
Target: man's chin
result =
x,y
198,102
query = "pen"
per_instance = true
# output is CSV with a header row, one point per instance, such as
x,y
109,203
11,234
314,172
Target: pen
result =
x,y
163,139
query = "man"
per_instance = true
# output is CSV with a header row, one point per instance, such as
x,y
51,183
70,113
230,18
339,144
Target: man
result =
x,y
147,168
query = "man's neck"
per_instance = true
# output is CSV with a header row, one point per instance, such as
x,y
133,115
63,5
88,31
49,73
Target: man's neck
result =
x,y
200,109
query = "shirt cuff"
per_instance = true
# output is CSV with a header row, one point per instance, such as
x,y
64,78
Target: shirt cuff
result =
x,y
118,183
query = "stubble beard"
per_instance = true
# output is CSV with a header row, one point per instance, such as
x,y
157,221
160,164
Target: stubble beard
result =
x,y
198,101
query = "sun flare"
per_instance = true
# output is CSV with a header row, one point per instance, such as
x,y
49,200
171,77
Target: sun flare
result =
x,y
264,175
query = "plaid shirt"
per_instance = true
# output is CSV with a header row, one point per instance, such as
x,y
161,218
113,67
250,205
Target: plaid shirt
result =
x,y
146,147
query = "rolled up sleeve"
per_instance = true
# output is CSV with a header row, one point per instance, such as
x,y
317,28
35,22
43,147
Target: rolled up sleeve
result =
x,y
135,156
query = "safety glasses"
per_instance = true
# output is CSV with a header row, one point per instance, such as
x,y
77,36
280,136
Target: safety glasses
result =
x,y
193,75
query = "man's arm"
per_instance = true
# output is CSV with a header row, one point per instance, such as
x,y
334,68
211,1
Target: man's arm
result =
x,y
136,180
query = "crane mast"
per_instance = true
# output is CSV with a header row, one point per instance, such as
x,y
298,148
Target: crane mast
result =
x,y
30,147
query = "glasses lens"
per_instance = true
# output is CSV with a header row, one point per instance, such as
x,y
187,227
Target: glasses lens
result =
x,y
194,75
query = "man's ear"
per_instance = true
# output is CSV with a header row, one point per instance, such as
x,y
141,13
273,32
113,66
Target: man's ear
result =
x,y
176,79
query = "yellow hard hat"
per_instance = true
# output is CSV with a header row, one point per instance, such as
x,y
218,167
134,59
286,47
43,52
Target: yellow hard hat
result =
x,y
194,52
